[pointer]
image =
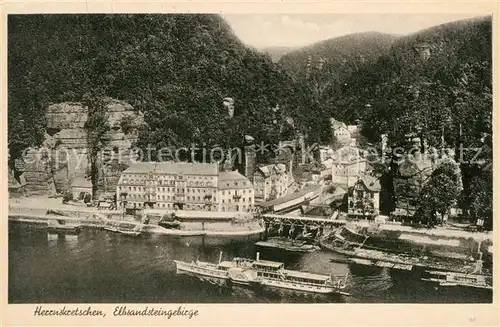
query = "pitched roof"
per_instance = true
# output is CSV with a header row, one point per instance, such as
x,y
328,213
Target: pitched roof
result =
x,y
140,167
291,196
328,163
272,169
371,183
352,128
228,179
337,124
231,176
174,168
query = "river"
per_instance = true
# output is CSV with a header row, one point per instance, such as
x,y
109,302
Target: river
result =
x,y
100,267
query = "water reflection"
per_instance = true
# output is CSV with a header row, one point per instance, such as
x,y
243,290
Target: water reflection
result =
x,y
99,266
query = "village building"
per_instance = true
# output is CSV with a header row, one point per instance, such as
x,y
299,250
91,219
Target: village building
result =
x,y
347,166
235,192
271,182
340,132
364,197
80,186
325,153
179,186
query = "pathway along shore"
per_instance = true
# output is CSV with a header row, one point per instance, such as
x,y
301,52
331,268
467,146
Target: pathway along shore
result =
x,y
98,220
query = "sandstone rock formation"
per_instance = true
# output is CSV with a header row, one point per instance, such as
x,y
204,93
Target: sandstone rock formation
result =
x,y
64,154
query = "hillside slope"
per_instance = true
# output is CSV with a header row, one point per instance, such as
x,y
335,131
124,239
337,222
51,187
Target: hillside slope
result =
x,y
344,52
176,69
277,52
437,84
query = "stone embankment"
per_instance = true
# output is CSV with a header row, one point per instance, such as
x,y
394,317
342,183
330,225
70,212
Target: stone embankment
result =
x,y
36,213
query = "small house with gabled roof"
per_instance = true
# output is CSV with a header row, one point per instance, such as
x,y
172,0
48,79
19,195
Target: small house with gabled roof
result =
x,y
364,197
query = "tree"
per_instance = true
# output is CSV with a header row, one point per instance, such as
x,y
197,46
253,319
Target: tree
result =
x,y
97,127
87,198
176,69
365,205
68,196
439,194
482,198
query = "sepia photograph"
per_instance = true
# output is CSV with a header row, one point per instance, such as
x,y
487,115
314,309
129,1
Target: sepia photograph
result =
x,y
249,158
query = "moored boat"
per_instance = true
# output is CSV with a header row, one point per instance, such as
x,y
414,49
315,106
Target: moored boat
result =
x,y
58,228
264,273
290,245
129,233
450,278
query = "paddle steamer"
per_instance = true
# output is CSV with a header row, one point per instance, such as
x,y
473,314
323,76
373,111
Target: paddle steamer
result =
x,y
264,273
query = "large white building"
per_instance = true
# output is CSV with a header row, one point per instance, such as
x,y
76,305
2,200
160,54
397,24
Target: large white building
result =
x,y
183,186
236,192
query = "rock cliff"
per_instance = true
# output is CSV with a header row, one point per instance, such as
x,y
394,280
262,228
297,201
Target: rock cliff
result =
x,y
64,154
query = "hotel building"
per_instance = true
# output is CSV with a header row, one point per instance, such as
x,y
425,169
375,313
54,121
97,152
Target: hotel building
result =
x,y
181,186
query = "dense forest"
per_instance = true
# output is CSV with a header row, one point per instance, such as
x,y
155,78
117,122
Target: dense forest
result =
x,y
435,83
177,69
325,67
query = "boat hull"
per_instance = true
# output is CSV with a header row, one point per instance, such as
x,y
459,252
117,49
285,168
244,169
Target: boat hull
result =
x,y
300,287
200,271
64,230
289,248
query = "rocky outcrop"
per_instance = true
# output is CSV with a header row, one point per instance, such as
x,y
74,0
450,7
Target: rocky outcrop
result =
x,y
63,156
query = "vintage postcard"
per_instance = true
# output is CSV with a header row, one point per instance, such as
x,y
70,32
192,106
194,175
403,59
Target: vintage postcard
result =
x,y
235,164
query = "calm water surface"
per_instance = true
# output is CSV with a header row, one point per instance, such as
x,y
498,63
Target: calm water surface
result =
x,y
98,266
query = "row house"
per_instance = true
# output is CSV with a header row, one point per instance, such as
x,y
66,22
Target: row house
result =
x,y
347,166
165,185
271,181
236,192
340,132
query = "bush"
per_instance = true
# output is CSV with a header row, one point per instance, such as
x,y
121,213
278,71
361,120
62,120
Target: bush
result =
x,y
68,196
331,189
87,198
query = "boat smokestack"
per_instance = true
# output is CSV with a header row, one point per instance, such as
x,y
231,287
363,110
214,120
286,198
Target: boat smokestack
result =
x,y
220,256
258,256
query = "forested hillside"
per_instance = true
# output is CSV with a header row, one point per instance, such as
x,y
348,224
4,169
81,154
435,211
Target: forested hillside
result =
x,y
177,69
429,79
340,55
277,52
324,67
435,83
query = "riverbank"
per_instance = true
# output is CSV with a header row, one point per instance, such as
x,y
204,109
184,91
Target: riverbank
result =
x,y
34,211
94,222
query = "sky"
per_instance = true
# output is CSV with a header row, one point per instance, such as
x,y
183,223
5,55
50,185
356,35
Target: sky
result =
x,y
294,30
